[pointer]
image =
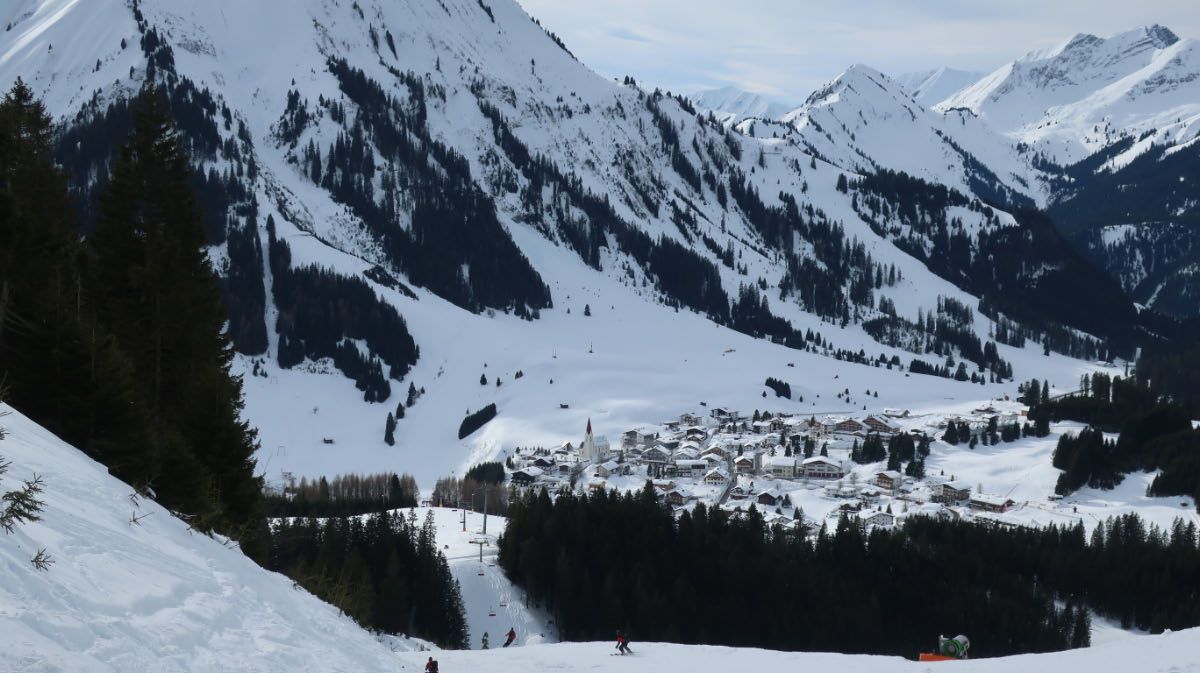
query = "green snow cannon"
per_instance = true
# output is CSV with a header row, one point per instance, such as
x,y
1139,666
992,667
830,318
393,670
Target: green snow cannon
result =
x,y
954,647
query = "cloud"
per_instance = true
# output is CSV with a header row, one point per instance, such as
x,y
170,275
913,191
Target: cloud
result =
x,y
790,47
627,34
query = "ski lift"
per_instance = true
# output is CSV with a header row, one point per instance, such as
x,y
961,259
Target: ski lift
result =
x,y
491,612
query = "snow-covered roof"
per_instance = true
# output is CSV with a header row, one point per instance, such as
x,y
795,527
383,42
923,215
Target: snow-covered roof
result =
x,y
821,460
782,461
989,499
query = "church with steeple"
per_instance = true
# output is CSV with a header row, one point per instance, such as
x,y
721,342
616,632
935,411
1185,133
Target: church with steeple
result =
x,y
593,449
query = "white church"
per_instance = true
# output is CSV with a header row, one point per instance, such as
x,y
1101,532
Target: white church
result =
x,y
593,449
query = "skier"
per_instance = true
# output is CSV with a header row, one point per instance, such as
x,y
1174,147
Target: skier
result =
x,y
431,666
623,644
485,640
510,637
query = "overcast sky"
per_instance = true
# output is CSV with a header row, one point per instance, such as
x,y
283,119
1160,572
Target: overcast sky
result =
x,y
787,48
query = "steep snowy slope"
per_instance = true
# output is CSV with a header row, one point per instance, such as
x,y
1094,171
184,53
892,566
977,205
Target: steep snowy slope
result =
x,y
732,105
460,165
148,595
1170,653
930,87
864,121
1088,92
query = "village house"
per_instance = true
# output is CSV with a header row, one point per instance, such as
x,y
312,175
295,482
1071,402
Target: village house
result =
x,y
688,420
948,494
879,425
889,480
629,439
676,498
877,518
655,457
990,503
821,467
737,493
690,467
849,426
780,466
769,498
525,476
716,477
747,463
607,469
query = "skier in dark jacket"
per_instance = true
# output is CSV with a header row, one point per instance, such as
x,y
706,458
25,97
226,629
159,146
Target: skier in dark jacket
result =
x,y
431,666
623,644
510,637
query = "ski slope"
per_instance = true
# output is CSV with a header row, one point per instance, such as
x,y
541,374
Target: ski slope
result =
x,y
493,605
154,597
1169,653
151,596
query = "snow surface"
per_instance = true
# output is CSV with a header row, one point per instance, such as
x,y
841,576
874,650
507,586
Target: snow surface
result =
x,y
933,86
1087,92
148,596
154,596
732,105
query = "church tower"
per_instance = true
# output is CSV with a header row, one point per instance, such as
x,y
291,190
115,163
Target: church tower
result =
x,y
589,445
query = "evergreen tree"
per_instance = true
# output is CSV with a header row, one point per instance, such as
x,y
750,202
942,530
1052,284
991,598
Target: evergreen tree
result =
x,y
156,292
389,430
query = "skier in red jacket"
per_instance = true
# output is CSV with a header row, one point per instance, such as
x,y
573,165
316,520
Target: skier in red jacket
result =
x,y
623,644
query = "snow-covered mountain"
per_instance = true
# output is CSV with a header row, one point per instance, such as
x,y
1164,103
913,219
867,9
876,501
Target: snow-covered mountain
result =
x,y
586,248
732,105
929,87
864,121
1088,92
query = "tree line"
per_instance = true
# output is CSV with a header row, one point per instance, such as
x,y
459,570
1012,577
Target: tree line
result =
x,y
344,495
383,570
607,561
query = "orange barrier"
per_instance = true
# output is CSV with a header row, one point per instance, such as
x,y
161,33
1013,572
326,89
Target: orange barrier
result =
x,y
930,656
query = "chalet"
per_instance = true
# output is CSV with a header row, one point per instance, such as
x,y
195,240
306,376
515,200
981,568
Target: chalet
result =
x,y
719,451
737,493
821,467
849,426
716,477
769,498
761,427
986,502
877,518
646,438
667,443
543,462
889,480
879,425
607,469
781,466
747,463
655,456
686,453
712,459
629,439
949,494
724,415
663,485
525,476
690,467
689,419
696,434
676,498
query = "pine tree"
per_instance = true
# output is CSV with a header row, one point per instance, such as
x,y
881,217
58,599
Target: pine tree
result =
x,y
160,298
389,430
